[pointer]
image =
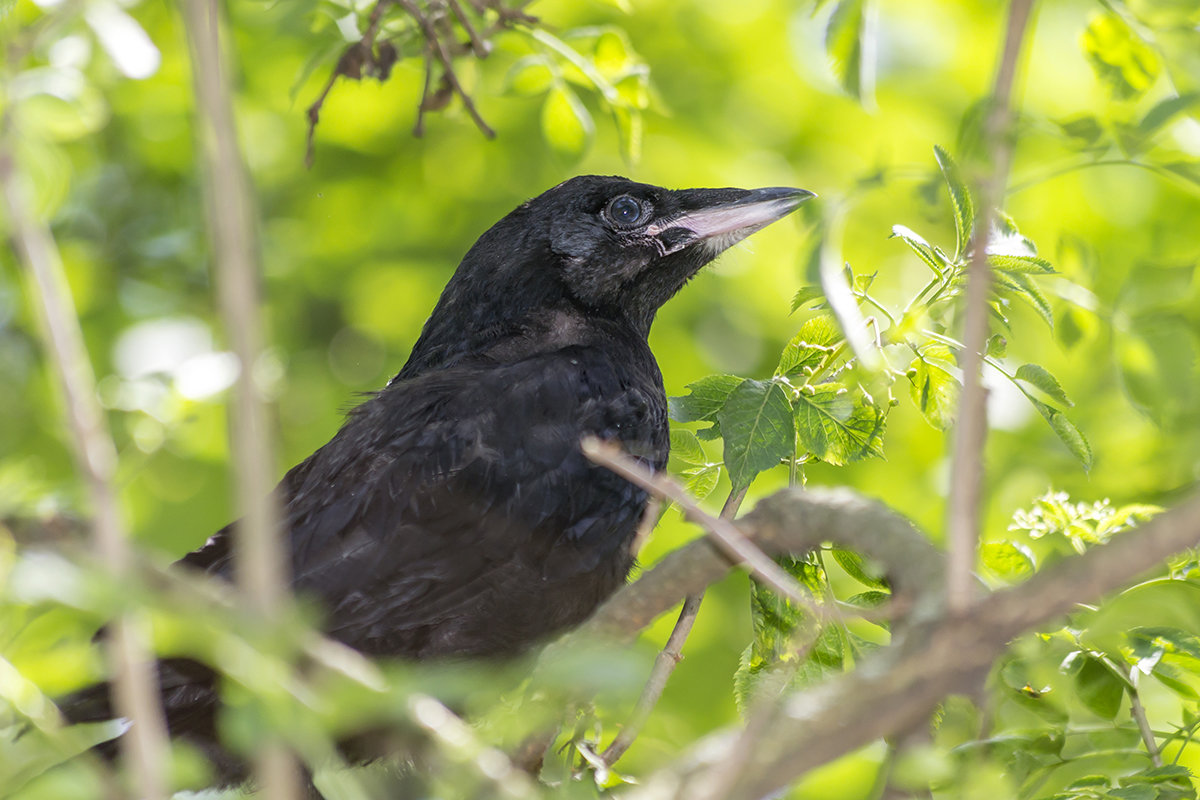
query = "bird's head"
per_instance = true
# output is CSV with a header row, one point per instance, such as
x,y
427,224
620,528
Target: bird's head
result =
x,y
620,245
605,245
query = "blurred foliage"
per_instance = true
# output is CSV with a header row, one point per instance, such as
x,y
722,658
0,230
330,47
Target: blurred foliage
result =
x,y
847,98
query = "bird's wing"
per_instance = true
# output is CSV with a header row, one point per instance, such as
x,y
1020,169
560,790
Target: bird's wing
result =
x,y
460,485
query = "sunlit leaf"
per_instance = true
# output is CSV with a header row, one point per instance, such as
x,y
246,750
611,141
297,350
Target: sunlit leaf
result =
x,y
566,123
838,426
756,423
531,75
856,568
1126,64
1021,264
806,295
934,379
701,482
933,258
849,43
960,201
686,447
1040,377
812,344
997,346
704,399
1166,111
1008,560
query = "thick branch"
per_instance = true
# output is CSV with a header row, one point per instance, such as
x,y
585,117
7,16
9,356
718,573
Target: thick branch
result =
x,y
966,485
900,686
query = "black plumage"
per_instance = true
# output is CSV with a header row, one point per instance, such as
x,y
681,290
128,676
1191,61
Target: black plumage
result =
x,y
453,515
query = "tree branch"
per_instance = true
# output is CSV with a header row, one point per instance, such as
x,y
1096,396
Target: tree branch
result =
x,y
135,687
966,485
899,686
260,558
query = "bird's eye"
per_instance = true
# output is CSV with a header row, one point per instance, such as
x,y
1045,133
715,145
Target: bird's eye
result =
x,y
625,211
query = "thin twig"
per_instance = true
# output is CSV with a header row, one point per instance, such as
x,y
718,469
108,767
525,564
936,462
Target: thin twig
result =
x,y
135,685
439,50
668,658
478,45
724,533
1138,712
966,487
260,560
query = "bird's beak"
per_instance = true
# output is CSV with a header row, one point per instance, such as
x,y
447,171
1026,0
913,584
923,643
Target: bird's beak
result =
x,y
721,217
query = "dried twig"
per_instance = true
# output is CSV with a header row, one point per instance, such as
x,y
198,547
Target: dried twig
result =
x,y
971,430
723,532
135,685
260,558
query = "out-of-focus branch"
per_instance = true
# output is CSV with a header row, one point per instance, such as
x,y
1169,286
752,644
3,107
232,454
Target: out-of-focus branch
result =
x,y
261,561
900,685
135,685
966,473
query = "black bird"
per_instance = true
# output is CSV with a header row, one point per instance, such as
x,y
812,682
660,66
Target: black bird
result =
x,y
454,515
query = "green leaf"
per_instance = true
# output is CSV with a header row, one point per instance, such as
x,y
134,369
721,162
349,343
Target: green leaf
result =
x,y
960,200
686,447
933,258
805,295
855,567
1031,294
1086,130
836,426
529,76
1126,64
868,599
756,423
701,482
1165,111
1009,560
1072,437
1099,689
566,123
934,380
1021,264
706,397
848,45
997,346
816,339
1045,382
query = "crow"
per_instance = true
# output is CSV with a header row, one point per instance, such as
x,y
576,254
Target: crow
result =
x,y
454,515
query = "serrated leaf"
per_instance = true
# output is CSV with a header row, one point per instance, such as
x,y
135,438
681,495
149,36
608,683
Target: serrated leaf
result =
x,y
1040,377
704,400
855,567
960,201
1099,689
805,295
848,45
1021,264
686,447
1009,560
1073,438
815,340
1032,295
932,257
566,122
837,426
1126,64
756,423
934,387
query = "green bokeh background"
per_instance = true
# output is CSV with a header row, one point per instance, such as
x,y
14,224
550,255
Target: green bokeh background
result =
x,y
356,250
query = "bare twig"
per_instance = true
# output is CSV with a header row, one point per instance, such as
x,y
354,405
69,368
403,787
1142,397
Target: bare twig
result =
x,y
971,429
478,45
260,562
135,685
668,658
1138,712
443,57
724,533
